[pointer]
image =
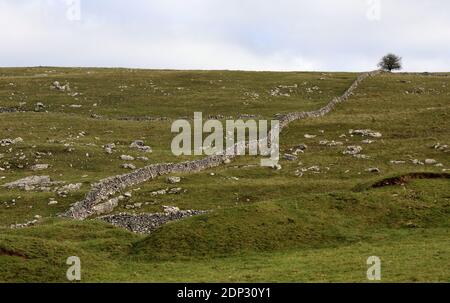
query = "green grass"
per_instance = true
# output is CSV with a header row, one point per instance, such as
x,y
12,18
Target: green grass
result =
x,y
406,255
268,225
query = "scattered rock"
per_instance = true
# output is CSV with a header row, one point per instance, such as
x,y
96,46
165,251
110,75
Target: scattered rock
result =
x,y
96,116
129,166
307,136
170,209
365,133
276,167
353,150
331,143
159,192
301,148
127,158
52,202
367,141
134,206
109,148
290,157
32,183
65,190
313,169
441,147
127,195
174,180
8,142
71,187
106,207
17,140
38,167
25,225
140,145
39,107
373,170
298,173
281,91
58,86
397,162
174,191
416,90
417,162
430,161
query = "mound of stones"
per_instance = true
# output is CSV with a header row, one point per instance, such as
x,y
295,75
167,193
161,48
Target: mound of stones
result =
x,y
147,223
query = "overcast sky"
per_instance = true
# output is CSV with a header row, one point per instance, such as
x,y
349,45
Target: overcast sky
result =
x,y
327,35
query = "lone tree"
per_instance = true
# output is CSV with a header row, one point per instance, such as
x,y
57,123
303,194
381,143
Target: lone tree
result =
x,y
390,62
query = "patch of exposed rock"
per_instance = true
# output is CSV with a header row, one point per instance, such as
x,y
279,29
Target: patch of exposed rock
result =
x,y
174,180
128,166
8,142
353,150
66,189
109,148
26,224
331,143
301,148
38,167
106,207
140,145
373,170
290,157
56,85
171,191
32,183
365,133
147,223
127,158
43,183
441,147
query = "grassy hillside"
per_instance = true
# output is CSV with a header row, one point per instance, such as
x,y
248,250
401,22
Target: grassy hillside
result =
x,y
317,219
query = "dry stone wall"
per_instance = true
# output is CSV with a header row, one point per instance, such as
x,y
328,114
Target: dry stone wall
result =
x,y
106,188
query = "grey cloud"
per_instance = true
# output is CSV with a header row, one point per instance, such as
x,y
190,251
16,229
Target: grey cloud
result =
x,y
245,34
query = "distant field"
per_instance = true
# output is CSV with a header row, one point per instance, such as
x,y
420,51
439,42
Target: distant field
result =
x,y
317,219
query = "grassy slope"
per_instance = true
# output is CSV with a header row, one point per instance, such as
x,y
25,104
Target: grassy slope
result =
x,y
268,226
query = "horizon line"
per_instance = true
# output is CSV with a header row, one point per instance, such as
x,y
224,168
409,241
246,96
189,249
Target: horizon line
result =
x,y
215,69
